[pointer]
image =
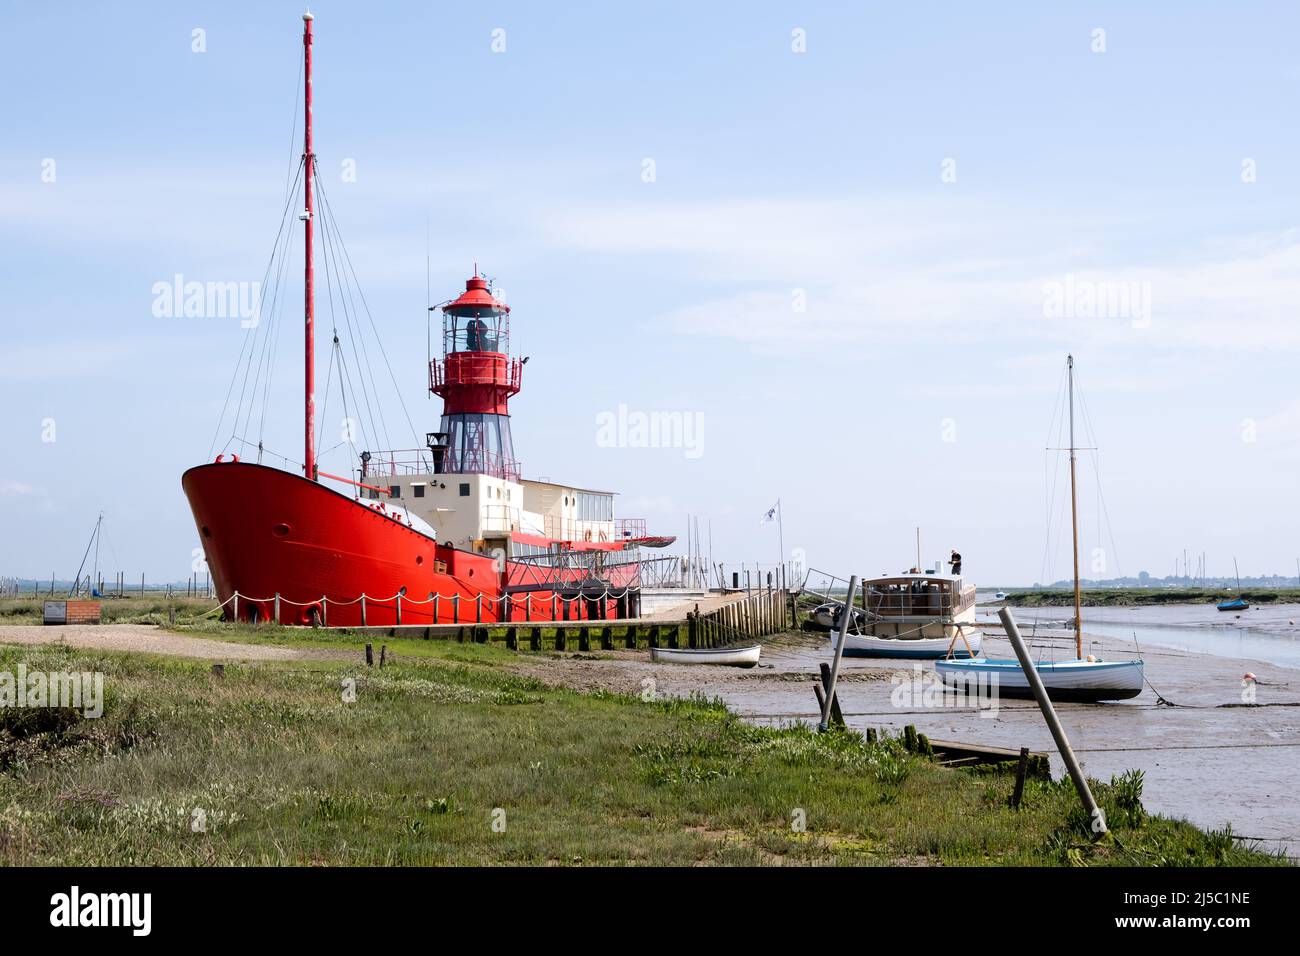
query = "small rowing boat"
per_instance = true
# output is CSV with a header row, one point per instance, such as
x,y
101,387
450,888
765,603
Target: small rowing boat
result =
x,y
732,656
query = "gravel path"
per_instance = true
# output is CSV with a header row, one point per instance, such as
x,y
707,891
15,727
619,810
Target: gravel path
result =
x,y
144,639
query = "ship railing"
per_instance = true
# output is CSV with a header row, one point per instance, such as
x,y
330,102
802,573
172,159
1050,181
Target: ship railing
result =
x,y
625,528
499,518
415,461
926,600
568,566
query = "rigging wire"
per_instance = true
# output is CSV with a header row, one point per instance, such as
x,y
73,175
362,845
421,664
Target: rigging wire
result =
x,y
378,340
250,339
329,260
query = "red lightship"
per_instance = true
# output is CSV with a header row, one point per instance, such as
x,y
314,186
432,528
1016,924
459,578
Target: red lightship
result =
x,y
450,533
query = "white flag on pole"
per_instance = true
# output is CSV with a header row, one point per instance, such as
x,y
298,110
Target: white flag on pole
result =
x,y
770,515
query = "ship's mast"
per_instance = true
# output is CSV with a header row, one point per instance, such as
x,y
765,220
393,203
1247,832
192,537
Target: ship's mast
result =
x,y
1074,522
309,304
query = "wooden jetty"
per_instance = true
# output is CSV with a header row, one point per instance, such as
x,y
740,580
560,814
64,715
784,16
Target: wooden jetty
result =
x,y
733,616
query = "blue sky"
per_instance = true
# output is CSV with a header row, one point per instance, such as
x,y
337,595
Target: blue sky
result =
x,y
915,387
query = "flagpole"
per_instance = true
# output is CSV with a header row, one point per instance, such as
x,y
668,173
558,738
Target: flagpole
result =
x,y
780,531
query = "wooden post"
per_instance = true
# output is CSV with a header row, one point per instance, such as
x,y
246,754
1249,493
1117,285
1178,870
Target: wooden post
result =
x,y
435,607
324,611
363,611
559,639
839,653
584,639
398,607
512,638
383,654
455,609
478,608
1022,768
535,638
277,607
1053,723
837,716
235,607
370,655
693,627
909,738
607,638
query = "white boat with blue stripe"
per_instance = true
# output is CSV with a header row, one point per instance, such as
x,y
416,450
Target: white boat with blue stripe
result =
x,y
1081,681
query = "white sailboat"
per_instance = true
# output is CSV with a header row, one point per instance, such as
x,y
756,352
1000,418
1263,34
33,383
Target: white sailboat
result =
x,y
1086,679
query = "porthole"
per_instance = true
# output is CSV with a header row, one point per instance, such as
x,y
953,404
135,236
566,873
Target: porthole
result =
x,y
281,530
419,559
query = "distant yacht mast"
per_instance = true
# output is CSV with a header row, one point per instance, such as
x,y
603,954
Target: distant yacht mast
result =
x,y
1074,522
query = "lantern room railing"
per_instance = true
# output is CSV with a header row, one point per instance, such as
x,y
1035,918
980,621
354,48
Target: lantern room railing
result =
x,y
475,368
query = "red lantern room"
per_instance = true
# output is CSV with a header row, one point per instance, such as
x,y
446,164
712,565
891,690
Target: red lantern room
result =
x,y
475,379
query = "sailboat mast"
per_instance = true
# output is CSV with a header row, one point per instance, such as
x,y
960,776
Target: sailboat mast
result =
x,y
309,276
1074,523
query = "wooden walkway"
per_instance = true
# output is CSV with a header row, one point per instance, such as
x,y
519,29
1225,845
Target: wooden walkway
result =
x,y
721,619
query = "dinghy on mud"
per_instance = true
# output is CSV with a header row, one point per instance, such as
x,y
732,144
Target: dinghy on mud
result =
x,y
727,656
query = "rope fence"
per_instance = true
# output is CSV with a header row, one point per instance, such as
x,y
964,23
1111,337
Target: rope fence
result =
x,y
504,606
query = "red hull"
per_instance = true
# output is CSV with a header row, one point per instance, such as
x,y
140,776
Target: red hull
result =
x,y
267,532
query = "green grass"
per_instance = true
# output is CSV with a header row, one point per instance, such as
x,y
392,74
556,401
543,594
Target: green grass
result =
x,y
1101,597
150,609
286,772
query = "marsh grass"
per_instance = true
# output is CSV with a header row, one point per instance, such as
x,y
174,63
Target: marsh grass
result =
x,y
1125,597
150,609
270,765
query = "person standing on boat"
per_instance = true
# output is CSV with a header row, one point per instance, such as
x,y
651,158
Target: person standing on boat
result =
x,y
955,561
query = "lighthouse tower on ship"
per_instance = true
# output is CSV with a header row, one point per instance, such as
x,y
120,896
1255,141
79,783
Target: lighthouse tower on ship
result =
x,y
476,379
468,486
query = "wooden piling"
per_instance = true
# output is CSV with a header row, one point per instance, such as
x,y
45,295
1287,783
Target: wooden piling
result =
x,y
836,715
1022,768
370,655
